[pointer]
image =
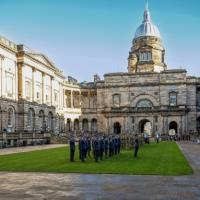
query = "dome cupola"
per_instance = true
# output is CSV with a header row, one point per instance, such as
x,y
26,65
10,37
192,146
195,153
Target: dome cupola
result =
x,y
147,52
147,28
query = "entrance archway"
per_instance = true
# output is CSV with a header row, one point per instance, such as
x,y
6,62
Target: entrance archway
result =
x,y
117,128
145,126
198,124
173,126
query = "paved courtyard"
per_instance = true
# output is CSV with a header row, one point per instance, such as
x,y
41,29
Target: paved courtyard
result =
x,y
15,186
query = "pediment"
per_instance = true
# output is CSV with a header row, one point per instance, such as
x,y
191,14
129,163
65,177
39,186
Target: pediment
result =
x,y
43,59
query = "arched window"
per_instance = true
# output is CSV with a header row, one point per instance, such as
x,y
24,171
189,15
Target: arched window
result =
x,y
116,100
42,120
11,119
117,128
50,121
68,124
10,116
94,125
76,125
144,103
31,119
85,125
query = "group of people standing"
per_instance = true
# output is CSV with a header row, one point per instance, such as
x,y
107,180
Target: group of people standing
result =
x,y
101,147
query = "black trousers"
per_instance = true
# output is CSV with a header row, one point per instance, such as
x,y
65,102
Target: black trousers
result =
x,y
135,151
106,152
96,155
101,154
83,152
110,152
72,155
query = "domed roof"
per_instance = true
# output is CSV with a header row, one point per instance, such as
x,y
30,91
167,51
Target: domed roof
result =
x,y
147,28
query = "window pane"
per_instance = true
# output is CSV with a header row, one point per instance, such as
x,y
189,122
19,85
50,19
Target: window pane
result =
x,y
172,99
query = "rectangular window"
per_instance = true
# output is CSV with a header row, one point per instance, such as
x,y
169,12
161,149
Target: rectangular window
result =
x,y
38,95
173,99
9,85
38,92
47,94
145,56
28,89
116,100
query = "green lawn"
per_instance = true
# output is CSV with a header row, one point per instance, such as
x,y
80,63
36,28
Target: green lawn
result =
x,y
164,158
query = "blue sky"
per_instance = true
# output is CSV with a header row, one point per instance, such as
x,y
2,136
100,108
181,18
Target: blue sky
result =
x,y
84,37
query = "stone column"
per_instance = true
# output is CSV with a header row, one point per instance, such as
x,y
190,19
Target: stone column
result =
x,y
72,103
1,68
20,80
33,84
51,91
43,88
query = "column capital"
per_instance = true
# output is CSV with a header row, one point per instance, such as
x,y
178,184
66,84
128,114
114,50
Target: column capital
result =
x,y
43,74
2,56
33,69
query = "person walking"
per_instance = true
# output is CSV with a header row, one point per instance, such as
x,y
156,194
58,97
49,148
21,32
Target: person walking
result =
x,y
136,147
157,137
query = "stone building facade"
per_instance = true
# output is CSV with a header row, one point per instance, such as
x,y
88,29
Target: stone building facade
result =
x,y
37,100
33,96
149,95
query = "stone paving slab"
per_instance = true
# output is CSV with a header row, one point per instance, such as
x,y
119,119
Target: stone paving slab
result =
x,y
42,186
29,148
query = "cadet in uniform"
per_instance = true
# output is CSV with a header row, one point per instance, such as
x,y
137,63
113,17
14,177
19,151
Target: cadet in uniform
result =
x,y
96,149
101,148
79,147
72,149
83,149
88,147
106,146
119,145
136,147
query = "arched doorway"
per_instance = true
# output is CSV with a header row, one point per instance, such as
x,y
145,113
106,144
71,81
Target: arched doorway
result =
x,y
76,125
173,127
145,126
117,128
42,120
31,119
94,125
85,125
68,124
50,121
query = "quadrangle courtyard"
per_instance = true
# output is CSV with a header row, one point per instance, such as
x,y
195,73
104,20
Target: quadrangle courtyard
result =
x,y
40,185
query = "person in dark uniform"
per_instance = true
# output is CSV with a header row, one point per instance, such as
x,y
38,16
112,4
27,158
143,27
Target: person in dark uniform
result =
x,y
119,145
88,147
79,147
72,149
83,149
136,147
96,149
116,145
101,148
110,146
106,146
